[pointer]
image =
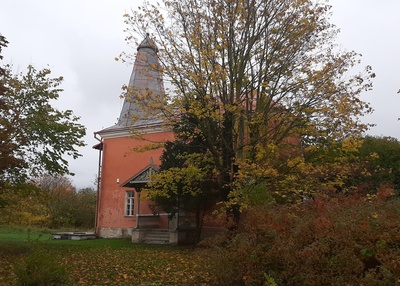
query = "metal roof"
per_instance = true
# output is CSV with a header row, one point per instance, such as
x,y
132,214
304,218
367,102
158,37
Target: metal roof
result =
x,y
145,86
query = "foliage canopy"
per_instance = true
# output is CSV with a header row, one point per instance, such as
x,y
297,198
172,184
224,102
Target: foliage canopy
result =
x,y
48,201
34,135
266,89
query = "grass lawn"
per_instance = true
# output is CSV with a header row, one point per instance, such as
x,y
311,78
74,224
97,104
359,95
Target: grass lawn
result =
x,y
105,261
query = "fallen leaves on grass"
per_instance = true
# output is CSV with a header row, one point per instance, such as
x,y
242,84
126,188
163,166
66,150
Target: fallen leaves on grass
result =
x,y
136,266
114,262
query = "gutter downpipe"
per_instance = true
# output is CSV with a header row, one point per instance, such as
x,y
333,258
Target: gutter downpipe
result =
x,y
98,184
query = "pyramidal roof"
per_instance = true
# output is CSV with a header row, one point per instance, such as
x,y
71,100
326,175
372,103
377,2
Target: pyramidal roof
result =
x,y
144,85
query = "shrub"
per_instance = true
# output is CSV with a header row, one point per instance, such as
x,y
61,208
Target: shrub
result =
x,y
38,268
337,241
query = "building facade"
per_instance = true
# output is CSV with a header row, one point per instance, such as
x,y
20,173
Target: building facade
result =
x,y
123,170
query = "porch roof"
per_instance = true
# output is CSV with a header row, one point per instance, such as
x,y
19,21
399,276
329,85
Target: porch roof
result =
x,y
141,178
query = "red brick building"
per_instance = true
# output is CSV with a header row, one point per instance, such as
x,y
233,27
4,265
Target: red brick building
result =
x,y
123,171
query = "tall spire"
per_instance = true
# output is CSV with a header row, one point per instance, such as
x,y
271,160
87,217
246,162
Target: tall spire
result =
x,y
145,83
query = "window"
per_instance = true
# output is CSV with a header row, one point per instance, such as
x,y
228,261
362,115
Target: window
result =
x,y
129,203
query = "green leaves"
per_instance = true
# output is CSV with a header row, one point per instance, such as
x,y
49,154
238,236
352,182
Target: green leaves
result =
x,y
35,137
188,187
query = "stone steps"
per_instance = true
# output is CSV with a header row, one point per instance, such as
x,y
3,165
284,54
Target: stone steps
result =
x,y
156,236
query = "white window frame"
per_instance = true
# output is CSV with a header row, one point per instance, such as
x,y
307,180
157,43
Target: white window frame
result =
x,y
130,203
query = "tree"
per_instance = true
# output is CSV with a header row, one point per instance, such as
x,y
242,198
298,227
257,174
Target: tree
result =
x,y
3,44
9,149
48,201
23,204
34,135
186,182
60,200
264,81
382,162
66,206
85,210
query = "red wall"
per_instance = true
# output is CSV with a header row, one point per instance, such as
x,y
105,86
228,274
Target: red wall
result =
x,y
119,164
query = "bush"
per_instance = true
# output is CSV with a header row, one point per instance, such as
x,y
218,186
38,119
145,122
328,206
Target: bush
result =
x,y
38,268
338,241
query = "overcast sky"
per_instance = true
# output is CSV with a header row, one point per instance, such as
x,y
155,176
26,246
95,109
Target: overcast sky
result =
x,y
79,40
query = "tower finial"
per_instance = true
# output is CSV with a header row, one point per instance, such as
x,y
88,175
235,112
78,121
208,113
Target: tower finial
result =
x,y
148,43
